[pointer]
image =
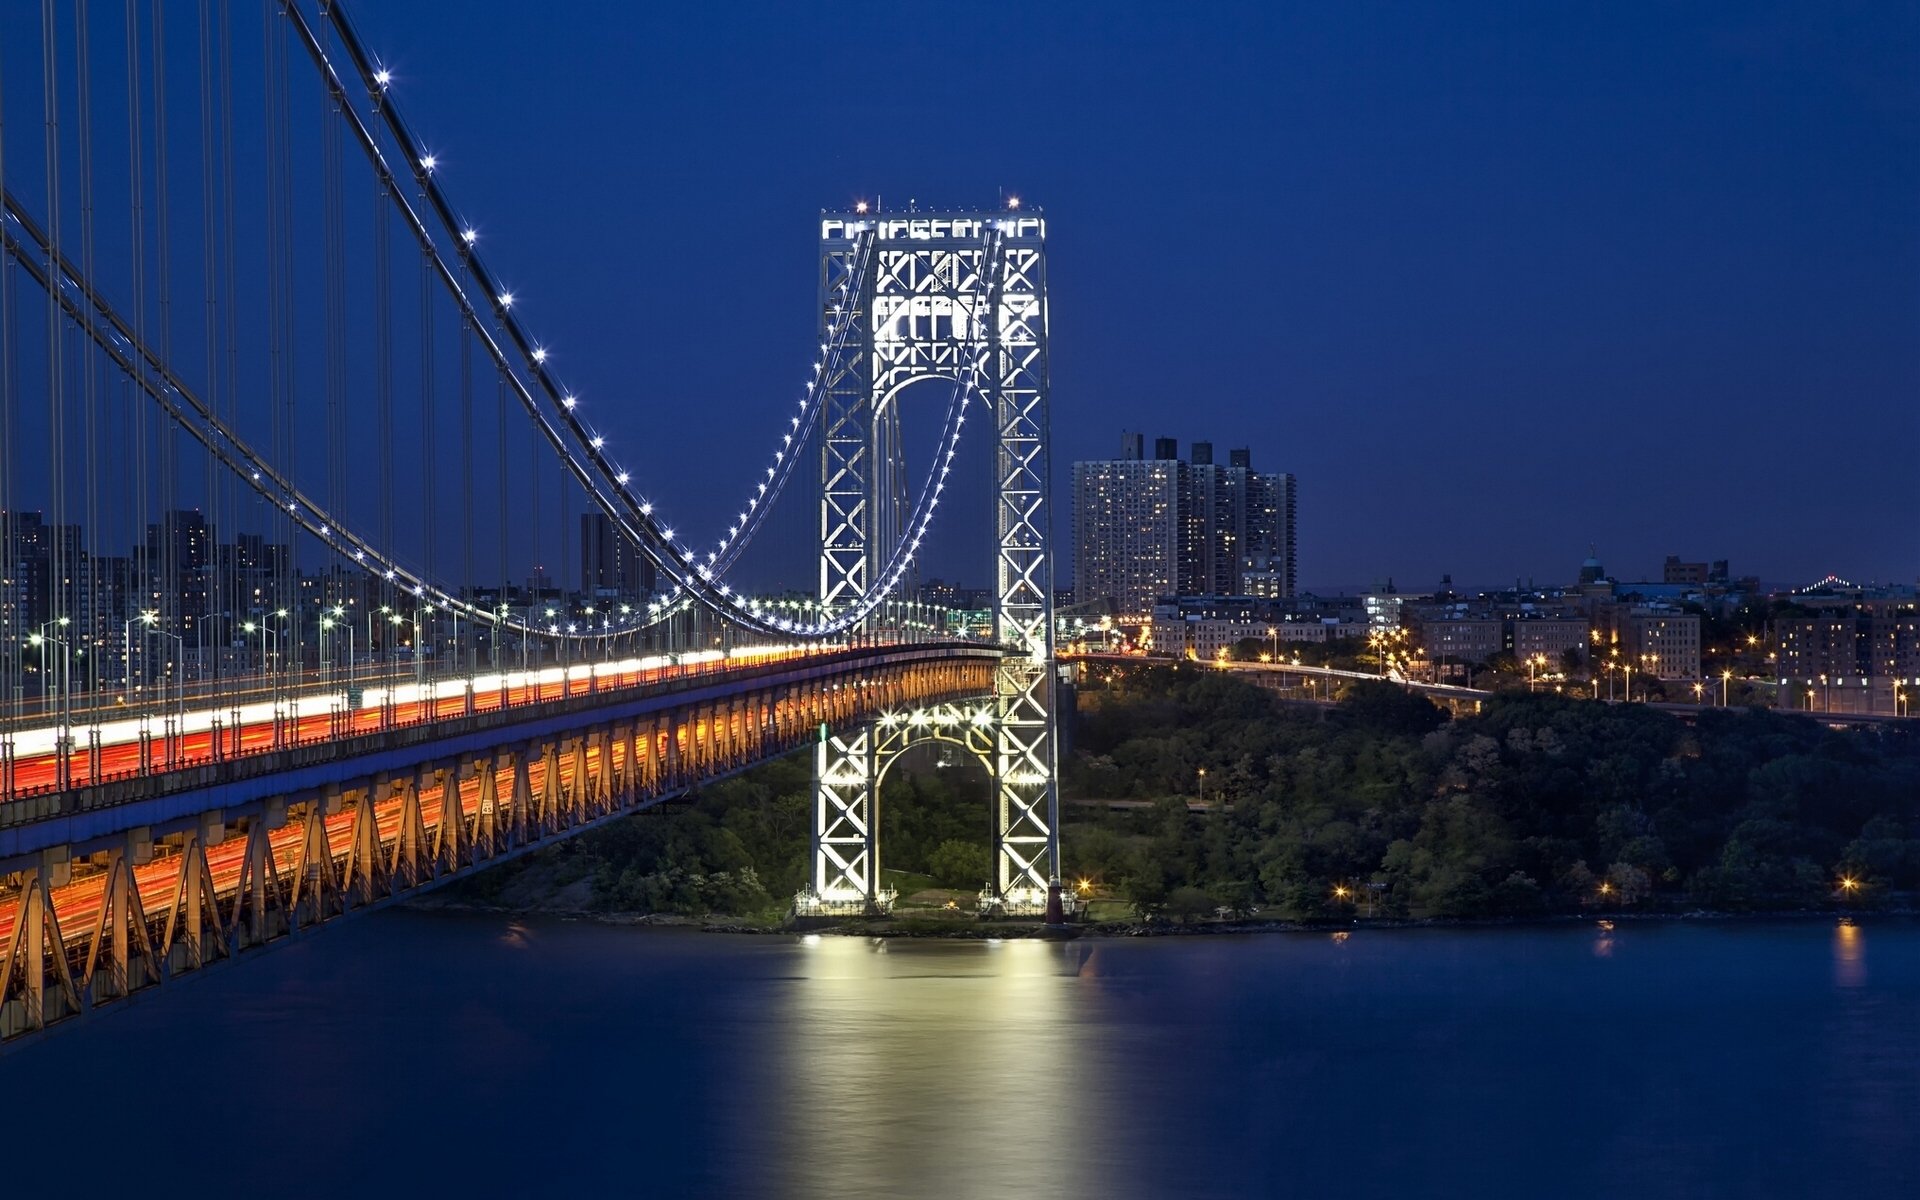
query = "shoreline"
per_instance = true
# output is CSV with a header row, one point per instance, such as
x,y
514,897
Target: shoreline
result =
x,y
949,929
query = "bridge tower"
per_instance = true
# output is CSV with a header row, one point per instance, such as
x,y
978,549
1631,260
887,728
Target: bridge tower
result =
x,y
960,297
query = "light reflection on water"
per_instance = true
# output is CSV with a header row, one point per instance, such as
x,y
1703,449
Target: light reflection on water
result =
x,y
934,1069
1648,1059
1849,955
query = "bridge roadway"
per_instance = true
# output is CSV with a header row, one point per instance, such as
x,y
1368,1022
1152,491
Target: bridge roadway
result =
x,y
1458,699
113,887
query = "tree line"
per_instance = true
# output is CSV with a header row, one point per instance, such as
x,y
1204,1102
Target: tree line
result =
x,y
1537,804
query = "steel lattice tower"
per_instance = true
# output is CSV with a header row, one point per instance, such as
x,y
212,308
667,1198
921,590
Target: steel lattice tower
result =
x,y
955,296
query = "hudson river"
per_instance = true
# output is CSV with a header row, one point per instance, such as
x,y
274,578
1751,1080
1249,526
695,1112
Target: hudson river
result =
x,y
430,1055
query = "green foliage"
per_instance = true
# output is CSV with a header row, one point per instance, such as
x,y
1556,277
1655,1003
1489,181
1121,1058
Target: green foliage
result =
x,y
957,864
740,848
1530,806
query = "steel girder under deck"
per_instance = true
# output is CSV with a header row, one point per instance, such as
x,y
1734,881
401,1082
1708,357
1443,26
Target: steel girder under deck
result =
x,y
85,923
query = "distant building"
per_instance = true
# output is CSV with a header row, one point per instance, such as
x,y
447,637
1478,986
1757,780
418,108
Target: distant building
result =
x,y
1675,571
1863,644
1462,639
1384,608
1551,637
1665,643
611,565
1145,529
1128,527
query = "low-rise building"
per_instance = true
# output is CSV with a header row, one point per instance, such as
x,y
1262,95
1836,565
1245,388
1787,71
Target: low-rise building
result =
x,y
1665,643
1550,637
1462,639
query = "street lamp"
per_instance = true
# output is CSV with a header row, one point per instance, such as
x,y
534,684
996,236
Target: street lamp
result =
x,y
147,617
1726,677
179,684
63,733
40,640
1203,786
336,620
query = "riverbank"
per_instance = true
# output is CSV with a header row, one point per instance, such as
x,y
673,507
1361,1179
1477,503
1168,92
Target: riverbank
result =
x,y
969,928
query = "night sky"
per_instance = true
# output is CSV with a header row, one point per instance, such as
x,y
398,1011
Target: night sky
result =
x,y
1496,281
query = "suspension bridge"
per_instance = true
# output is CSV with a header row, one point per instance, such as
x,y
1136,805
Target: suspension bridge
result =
x,y
291,492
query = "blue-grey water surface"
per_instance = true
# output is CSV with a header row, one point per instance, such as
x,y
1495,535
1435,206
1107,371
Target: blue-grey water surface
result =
x,y
436,1055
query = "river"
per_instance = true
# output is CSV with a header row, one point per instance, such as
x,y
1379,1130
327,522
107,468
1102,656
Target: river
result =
x,y
433,1054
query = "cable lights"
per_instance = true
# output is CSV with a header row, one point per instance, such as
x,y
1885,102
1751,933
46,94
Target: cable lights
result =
x,y
839,326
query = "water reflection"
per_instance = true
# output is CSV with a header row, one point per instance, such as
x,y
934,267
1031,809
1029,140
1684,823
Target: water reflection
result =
x,y
1849,955
942,1070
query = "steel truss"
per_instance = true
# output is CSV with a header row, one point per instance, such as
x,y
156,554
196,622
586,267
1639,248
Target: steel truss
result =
x,y
847,770
944,296
84,925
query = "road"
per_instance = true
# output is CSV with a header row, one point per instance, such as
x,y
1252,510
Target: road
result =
x,y
37,767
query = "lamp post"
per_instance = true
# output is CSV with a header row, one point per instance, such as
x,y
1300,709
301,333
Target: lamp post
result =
x,y
147,617
49,702
178,722
336,621
1726,677
1203,786
63,735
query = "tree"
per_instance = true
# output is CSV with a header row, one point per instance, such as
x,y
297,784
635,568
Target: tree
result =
x,y
1390,709
1189,903
957,864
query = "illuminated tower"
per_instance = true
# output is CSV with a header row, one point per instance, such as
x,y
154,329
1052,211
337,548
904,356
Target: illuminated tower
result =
x,y
958,297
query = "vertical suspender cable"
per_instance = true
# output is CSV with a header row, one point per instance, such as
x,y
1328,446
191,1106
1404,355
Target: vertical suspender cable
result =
x,y
174,523
143,566
383,384
279,352
423,609
280,197
336,320
464,486
271,195
220,593
56,431
92,637
262,559
535,579
500,448
10,577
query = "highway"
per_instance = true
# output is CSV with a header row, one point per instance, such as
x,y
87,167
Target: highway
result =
x,y
79,902
319,715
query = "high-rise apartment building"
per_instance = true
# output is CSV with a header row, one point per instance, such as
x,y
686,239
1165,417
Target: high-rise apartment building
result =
x,y
1149,528
1129,526
610,564
1269,555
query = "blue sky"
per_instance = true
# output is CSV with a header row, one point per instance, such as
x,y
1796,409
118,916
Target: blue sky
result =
x,y
1495,280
